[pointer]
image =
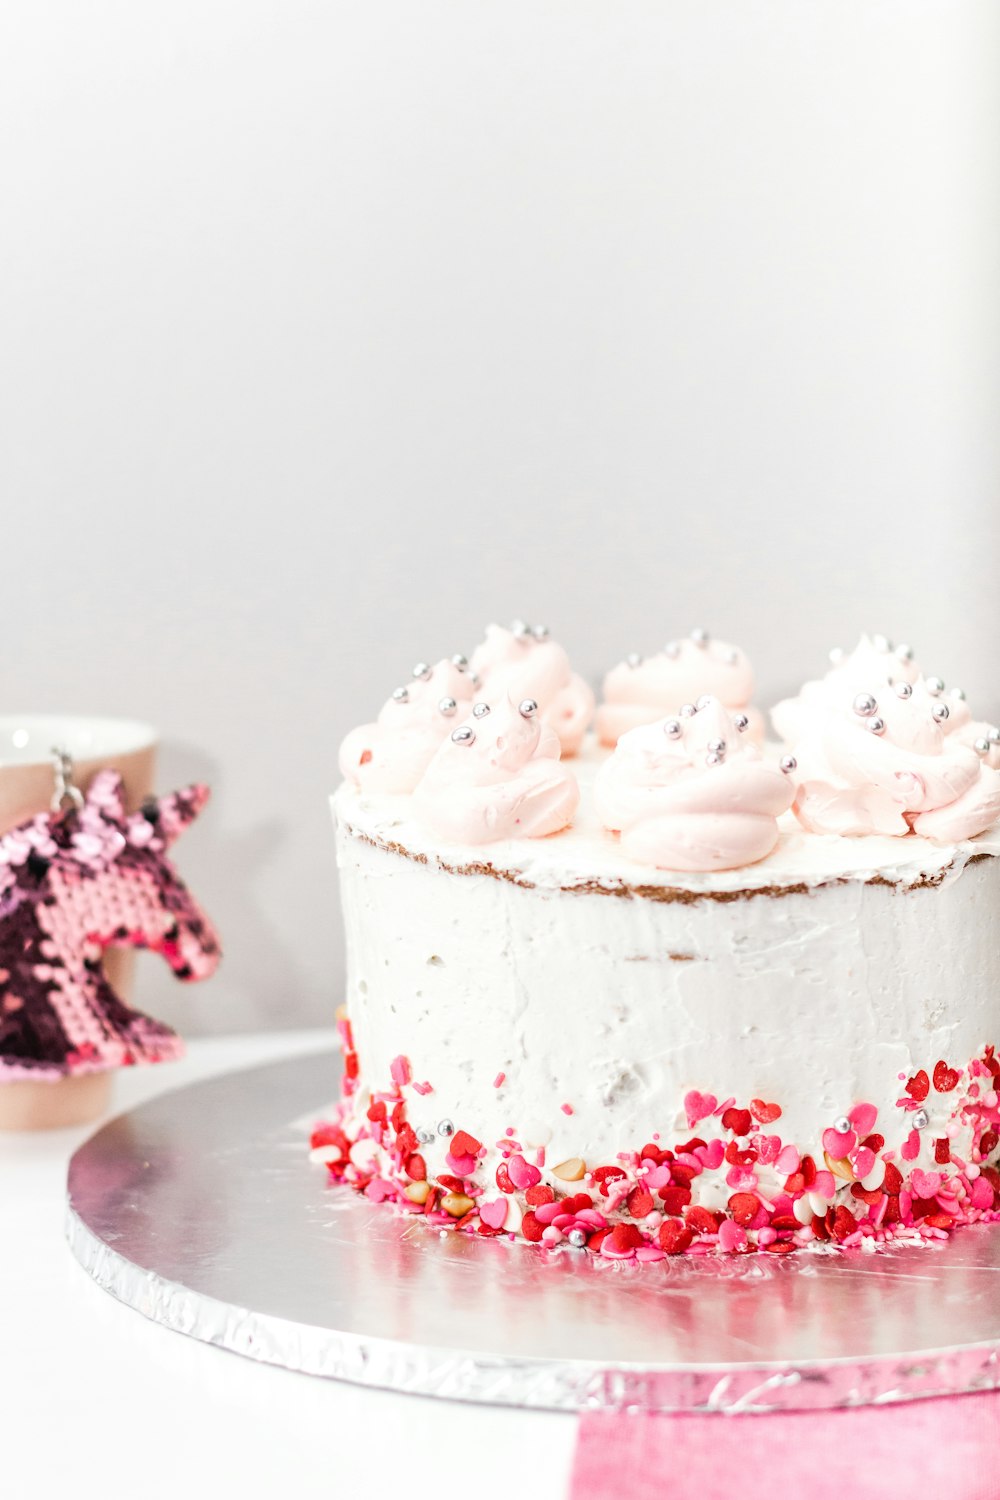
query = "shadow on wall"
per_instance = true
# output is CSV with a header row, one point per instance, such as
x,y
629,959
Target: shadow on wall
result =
x,y
227,873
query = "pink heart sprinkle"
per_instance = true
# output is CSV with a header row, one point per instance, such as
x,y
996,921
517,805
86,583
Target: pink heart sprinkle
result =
x,y
731,1235
910,1149
711,1156
925,1184
838,1145
788,1161
522,1174
657,1178
697,1106
863,1161
981,1194
824,1185
494,1213
863,1117
768,1148
461,1166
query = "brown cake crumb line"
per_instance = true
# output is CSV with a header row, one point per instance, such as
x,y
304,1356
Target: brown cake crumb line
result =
x,y
664,893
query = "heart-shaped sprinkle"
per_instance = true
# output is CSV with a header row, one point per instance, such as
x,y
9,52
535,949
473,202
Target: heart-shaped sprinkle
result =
x,y
522,1174
788,1161
910,1149
739,1121
863,1161
503,1179
698,1106
494,1212
863,1117
743,1207
674,1237
766,1114
464,1144
918,1087
838,1144
945,1078
731,1236
925,1184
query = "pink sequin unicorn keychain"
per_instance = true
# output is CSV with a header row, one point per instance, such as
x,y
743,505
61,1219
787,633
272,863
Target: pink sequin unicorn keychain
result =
x,y
74,883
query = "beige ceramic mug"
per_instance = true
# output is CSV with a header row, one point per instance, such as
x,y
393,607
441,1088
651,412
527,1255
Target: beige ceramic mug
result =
x,y
27,784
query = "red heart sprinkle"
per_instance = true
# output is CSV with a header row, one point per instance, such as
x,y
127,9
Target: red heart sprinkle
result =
x,y
942,1151
453,1184
503,1179
463,1144
918,1087
640,1202
988,1142
807,1167
743,1207
416,1167
531,1229
945,1078
674,1199
702,1219
874,1142
893,1179
737,1120
765,1113
538,1194
674,1237
939,1221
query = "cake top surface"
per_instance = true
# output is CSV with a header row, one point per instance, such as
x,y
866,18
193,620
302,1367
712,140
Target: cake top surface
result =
x,y
488,766
586,855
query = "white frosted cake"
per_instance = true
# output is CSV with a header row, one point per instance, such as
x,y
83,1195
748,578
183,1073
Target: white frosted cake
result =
x,y
674,991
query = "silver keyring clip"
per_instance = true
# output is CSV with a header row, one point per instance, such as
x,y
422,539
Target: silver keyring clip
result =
x,y
66,791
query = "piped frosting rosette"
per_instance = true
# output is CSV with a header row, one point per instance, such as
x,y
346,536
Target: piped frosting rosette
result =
x,y
497,776
692,793
886,763
641,689
525,663
872,664
392,754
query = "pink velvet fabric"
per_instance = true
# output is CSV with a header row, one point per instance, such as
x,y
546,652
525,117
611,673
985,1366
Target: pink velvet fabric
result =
x,y
947,1448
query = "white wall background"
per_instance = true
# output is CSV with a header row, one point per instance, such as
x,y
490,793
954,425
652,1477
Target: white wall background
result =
x,y
332,330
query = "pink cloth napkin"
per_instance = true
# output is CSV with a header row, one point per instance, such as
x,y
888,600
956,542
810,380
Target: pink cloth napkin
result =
x,y
947,1448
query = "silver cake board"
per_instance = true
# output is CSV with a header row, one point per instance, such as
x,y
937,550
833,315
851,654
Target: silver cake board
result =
x,y
201,1210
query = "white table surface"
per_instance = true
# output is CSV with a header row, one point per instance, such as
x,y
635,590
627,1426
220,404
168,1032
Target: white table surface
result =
x,y
97,1401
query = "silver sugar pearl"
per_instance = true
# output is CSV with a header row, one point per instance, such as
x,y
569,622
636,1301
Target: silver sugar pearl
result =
x,y
688,710
881,643
700,637
460,661
865,705
577,1238
731,657
905,653
422,671
540,632
981,746
463,735
921,1119
876,726
941,711
903,690
935,686
673,729
447,706
672,649
480,710
527,708
958,694
713,760
742,723
703,702
718,747
520,629
788,764
842,1125
445,1127
633,660
400,695
425,1136
993,735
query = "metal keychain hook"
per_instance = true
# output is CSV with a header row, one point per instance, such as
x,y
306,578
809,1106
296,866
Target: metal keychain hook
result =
x,y
66,790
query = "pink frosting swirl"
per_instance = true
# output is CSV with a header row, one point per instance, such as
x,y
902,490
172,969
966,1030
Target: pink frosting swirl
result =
x,y
497,776
681,802
886,762
640,690
872,664
525,662
392,754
